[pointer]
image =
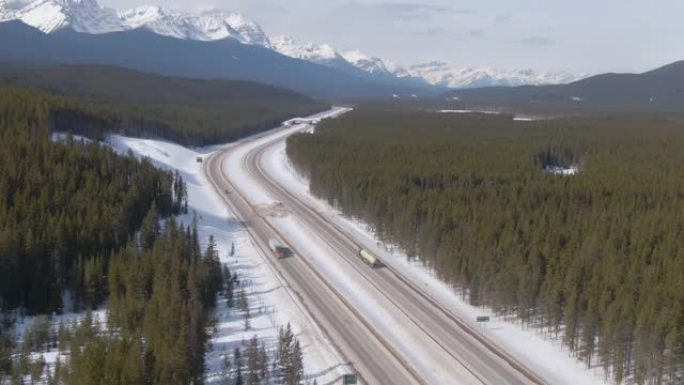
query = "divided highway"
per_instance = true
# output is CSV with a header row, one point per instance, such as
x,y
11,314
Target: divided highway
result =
x,y
475,359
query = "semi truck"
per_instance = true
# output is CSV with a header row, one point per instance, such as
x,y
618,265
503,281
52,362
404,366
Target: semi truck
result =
x,y
369,258
279,250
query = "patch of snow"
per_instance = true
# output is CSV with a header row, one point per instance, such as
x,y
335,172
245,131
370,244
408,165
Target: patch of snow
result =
x,y
543,353
272,305
558,170
60,137
23,324
486,112
517,118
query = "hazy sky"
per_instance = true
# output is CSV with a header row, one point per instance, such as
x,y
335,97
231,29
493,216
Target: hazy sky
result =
x,y
546,35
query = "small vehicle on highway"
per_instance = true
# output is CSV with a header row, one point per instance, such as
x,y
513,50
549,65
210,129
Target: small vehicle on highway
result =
x,y
279,250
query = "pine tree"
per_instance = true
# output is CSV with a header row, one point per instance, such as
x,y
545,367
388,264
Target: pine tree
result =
x,y
248,324
253,370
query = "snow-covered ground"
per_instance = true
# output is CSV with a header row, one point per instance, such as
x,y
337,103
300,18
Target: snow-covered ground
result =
x,y
486,112
22,325
517,118
62,137
558,170
543,354
272,305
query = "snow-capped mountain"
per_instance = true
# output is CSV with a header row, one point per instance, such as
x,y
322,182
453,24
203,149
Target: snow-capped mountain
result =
x,y
316,53
50,15
88,16
374,65
325,54
443,74
205,26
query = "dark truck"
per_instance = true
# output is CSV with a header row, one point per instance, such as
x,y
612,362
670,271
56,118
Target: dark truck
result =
x,y
279,250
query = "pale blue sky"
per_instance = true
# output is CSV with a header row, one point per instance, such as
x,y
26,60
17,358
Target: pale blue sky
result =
x,y
546,35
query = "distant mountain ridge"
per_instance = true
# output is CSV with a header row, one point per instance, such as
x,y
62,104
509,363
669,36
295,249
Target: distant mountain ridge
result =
x,y
443,74
661,88
106,99
88,16
144,50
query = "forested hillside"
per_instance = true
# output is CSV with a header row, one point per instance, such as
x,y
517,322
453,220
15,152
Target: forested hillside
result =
x,y
596,257
186,111
64,207
161,292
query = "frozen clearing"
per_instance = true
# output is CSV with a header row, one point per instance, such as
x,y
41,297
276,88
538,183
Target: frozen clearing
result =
x,y
517,118
23,324
469,112
558,170
544,355
271,304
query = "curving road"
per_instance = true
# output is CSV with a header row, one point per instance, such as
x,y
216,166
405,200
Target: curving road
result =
x,y
475,359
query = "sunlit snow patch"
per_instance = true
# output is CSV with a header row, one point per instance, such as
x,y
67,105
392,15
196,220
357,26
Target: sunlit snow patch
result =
x,y
558,170
469,112
61,137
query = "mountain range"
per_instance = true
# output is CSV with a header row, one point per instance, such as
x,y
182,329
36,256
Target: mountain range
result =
x,y
443,74
658,89
88,16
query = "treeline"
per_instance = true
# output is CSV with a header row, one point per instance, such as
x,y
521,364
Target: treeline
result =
x,y
253,365
65,207
160,296
94,100
597,257
162,290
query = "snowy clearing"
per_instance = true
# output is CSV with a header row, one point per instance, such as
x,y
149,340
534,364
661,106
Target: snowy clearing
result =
x,y
558,170
486,112
63,137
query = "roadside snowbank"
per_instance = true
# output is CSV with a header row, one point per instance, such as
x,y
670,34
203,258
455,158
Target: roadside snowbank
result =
x,y
271,304
544,355
432,362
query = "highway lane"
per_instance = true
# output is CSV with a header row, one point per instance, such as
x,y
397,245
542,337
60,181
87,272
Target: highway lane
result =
x,y
485,361
362,346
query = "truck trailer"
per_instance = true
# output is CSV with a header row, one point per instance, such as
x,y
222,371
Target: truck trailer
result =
x,y
369,258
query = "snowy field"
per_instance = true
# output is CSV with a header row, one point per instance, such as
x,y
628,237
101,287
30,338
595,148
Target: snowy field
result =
x,y
24,324
542,353
271,304
558,170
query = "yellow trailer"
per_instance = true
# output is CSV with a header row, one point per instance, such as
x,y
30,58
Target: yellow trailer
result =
x,y
369,258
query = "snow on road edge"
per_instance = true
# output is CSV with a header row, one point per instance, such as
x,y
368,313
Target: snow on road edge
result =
x,y
545,356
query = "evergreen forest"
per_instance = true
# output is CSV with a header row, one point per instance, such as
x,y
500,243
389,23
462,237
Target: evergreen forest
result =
x,y
595,259
65,207
95,100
